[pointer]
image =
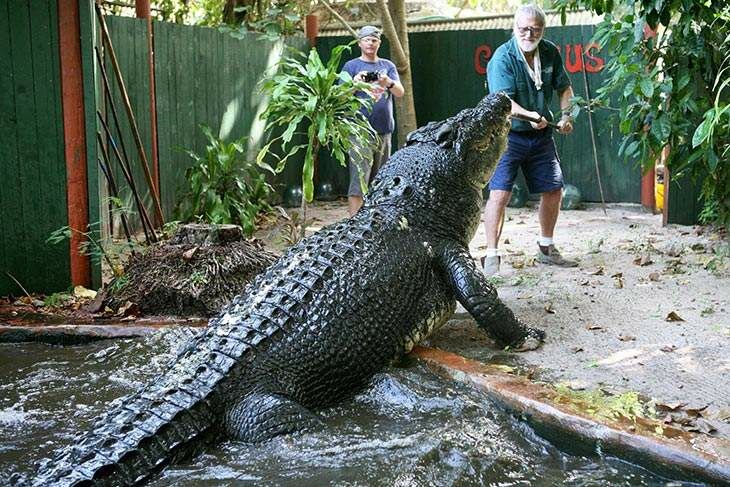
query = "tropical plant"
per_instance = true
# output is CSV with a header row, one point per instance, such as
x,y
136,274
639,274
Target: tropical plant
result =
x,y
308,97
224,186
670,82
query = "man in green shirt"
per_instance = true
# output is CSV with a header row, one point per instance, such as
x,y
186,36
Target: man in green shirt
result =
x,y
529,68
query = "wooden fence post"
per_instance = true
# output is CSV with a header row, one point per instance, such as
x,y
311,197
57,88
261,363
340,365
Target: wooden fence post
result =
x,y
74,133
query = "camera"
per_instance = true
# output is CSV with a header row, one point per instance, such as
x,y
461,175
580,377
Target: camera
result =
x,y
371,76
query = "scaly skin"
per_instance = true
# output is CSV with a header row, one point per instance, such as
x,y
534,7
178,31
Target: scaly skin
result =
x,y
331,312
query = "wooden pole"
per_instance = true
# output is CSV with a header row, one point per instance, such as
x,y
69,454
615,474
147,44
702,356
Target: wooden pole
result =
x,y
132,121
143,12
74,134
590,125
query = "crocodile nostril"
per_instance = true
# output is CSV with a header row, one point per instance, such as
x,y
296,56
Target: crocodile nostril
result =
x,y
396,181
407,191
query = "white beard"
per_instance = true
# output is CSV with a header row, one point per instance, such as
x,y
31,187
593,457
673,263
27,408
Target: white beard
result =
x,y
528,46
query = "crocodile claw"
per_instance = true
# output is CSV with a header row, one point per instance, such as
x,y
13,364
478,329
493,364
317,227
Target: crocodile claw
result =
x,y
532,341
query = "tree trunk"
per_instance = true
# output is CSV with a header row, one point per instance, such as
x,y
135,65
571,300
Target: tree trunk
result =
x,y
397,31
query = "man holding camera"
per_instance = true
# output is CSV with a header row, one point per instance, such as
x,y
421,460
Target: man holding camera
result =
x,y
384,84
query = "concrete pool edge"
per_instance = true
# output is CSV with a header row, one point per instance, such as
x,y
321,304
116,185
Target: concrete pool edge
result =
x,y
691,456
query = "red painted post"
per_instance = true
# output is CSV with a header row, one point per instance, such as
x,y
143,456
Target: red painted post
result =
x,y
647,190
143,10
311,28
74,135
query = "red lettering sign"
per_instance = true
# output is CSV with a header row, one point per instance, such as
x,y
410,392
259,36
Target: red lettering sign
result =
x,y
482,54
574,62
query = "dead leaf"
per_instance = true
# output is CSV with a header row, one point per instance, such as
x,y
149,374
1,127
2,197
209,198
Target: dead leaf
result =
x,y
618,280
506,241
549,309
668,348
584,283
695,411
643,260
673,316
704,426
82,292
576,349
127,309
626,338
592,327
654,276
670,406
188,254
668,419
597,272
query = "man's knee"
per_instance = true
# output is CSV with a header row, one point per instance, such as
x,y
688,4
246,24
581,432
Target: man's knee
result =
x,y
498,198
552,196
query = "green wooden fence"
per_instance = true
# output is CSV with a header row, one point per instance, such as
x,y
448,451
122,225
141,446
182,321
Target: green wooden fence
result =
x,y
202,76
449,75
32,164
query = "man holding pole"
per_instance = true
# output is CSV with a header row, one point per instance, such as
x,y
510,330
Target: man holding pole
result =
x,y
528,68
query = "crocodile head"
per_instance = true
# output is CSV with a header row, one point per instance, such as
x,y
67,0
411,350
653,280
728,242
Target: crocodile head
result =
x,y
479,135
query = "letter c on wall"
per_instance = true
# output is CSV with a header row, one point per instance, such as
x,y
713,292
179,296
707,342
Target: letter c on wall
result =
x,y
482,54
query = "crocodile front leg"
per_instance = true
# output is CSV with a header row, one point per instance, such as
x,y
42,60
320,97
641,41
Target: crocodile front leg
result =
x,y
478,296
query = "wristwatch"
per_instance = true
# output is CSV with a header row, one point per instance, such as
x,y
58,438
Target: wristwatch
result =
x,y
392,84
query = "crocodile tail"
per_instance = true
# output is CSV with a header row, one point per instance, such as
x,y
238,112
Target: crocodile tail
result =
x,y
162,423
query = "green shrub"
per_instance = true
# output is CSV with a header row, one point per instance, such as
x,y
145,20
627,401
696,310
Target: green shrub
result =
x,y
224,186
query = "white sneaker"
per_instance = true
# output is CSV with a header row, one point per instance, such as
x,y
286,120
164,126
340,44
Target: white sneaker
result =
x,y
490,265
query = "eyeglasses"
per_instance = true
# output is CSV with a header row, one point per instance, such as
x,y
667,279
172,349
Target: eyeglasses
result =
x,y
531,30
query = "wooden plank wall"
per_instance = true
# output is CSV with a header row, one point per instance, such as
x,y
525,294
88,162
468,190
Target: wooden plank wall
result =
x,y
448,72
202,76
32,164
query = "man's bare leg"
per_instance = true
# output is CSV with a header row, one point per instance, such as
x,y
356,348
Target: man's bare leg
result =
x,y
354,203
494,216
548,211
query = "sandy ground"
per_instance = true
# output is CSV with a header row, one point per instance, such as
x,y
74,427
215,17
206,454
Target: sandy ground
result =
x,y
646,311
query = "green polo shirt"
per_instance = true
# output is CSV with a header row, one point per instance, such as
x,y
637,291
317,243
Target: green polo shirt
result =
x,y
507,72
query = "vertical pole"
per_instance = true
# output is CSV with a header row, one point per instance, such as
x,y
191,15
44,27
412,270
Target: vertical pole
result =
x,y
143,10
647,190
74,134
311,28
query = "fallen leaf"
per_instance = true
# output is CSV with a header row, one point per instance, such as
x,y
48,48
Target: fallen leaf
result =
x,y
654,276
618,280
668,348
626,338
549,309
704,426
592,327
597,272
670,406
188,254
584,283
643,260
506,241
576,349
695,411
668,419
673,316
82,292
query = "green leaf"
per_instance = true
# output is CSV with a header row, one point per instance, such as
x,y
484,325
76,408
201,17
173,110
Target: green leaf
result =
x,y
702,132
647,87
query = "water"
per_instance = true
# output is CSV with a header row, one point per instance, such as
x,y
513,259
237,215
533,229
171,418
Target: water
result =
x,y
411,428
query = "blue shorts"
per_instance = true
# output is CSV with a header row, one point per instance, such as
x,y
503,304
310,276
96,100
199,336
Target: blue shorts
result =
x,y
535,153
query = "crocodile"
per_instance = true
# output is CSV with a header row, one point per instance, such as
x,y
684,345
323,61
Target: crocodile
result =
x,y
316,326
